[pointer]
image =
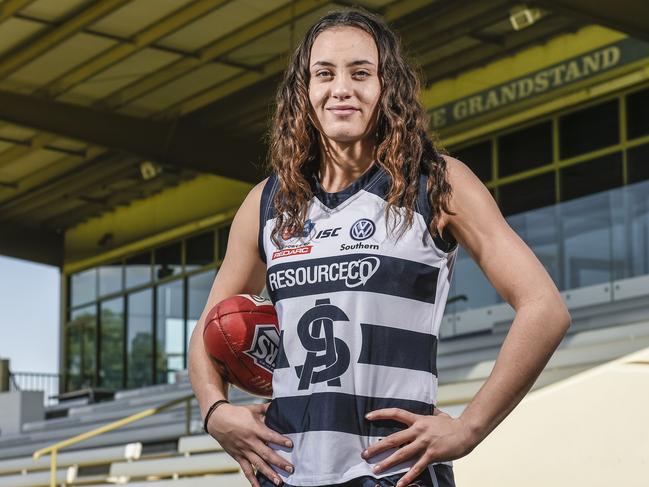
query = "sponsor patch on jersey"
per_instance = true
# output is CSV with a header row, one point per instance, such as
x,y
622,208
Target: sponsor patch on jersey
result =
x,y
358,246
352,273
328,232
362,229
303,250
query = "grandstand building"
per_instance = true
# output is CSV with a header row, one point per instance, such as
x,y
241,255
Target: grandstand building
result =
x,y
129,136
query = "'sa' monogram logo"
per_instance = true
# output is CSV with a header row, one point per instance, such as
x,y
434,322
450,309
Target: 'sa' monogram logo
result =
x,y
326,353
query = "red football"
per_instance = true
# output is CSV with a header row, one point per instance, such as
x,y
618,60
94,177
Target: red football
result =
x,y
242,336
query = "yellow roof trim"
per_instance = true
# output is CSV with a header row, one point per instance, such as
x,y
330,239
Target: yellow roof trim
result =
x,y
526,61
152,241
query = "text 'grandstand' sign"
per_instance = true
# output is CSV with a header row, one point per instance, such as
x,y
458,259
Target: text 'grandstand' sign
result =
x,y
542,81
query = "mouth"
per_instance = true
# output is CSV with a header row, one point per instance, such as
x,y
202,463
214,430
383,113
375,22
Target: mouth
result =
x,y
343,110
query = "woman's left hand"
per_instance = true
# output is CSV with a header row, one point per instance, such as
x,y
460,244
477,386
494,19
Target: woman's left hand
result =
x,y
435,438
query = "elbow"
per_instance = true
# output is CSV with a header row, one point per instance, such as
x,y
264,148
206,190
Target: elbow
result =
x,y
551,311
562,318
568,319
195,340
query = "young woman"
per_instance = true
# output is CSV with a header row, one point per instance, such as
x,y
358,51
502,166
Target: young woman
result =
x,y
355,235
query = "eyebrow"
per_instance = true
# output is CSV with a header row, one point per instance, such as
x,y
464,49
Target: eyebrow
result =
x,y
358,62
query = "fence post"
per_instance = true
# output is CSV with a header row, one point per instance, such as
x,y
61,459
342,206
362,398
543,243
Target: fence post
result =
x,y
53,467
4,375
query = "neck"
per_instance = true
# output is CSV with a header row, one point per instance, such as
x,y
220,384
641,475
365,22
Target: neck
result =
x,y
341,163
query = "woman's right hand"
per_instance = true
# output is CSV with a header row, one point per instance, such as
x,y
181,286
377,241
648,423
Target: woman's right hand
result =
x,y
241,431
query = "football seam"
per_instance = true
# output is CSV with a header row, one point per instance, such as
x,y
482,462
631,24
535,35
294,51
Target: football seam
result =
x,y
269,313
245,366
227,342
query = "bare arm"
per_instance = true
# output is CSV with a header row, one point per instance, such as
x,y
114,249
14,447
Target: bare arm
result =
x,y
242,272
240,430
540,323
517,275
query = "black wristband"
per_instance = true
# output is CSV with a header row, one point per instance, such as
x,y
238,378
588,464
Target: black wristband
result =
x,y
211,410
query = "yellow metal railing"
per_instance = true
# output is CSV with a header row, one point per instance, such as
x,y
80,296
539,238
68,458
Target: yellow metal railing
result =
x,y
54,449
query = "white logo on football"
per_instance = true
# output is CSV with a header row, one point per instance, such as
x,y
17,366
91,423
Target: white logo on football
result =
x,y
265,346
258,300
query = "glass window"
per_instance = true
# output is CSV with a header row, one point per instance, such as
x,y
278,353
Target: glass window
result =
x,y
83,287
525,149
620,200
111,348
638,161
198,290
637,114
199,250
138,269
471,285
224,233
81,360
527,194
540,231
591,177
170,333
586,229
110,278
636,238
73,358
478,158
140,338
589,129
168,260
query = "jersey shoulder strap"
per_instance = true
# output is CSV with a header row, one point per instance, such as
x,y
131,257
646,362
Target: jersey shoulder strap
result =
x,y
266,211
422,206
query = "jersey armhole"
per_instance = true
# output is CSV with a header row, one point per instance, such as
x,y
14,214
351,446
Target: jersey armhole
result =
x,y
265,212
422,205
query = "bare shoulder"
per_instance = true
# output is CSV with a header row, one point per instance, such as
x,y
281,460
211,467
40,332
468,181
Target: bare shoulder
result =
x,y
470,202
461,178
242,270
455,168
257,190
249,209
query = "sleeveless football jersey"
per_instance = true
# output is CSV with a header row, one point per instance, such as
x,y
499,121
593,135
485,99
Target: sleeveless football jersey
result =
x,y
359,314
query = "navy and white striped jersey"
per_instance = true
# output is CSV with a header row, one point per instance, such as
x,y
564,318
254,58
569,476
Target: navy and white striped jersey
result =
x,y
359,313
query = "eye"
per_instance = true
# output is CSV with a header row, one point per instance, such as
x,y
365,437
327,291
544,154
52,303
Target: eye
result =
x,y
323,73
361,74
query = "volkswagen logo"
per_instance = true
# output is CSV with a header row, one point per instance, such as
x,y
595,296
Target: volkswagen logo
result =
x,y
362,229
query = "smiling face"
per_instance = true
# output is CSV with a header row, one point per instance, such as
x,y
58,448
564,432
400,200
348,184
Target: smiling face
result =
x,y
344,85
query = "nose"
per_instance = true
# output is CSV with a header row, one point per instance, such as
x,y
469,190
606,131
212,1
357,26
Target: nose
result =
x,y
341,88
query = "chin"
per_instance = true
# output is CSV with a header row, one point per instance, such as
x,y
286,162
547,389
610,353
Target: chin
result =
x,y
345,136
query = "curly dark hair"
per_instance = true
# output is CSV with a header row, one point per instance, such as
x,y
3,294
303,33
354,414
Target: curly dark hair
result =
x,y
403,145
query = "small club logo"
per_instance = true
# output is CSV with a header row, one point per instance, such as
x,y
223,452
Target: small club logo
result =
x,y
362,229
265,346
307,230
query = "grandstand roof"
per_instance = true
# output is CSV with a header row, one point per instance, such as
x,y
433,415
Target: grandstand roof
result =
x,y
103,103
